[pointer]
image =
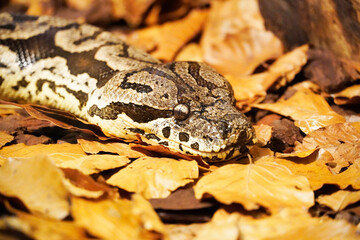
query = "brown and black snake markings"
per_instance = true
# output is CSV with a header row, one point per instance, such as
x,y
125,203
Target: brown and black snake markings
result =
x,y
186,106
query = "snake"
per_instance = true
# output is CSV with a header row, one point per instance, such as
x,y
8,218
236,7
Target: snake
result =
x,y
93,74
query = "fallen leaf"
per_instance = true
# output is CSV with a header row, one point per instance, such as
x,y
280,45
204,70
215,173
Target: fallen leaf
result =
x,y
267,184
339,200
5,138
91,164
118,218
164,41
286,224
263,134
155,177
341,141
235,40
38,184
309,110
318,173
6,109
348,95
191,52
131,11
122,149
41,228
252,89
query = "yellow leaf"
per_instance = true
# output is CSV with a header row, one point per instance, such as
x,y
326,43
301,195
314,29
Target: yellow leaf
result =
x,y
37,183
309,110
91,164
41,228
5,138
265,184
155,177
191,52
339,200
346,95
54,150
287,224
235,40
117,219
122,149
318,173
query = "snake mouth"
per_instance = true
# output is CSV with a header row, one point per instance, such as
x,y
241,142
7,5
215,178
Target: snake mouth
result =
x,y
223,155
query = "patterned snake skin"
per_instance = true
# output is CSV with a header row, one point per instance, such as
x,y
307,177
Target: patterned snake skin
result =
x,y
185,106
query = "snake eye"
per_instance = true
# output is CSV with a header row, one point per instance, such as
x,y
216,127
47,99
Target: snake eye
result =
x,y
181,112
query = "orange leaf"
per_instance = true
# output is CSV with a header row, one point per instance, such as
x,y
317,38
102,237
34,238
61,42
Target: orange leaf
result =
x,y
235,40
117,219
339,200
38,184
155,177
261,184
5,138
309,110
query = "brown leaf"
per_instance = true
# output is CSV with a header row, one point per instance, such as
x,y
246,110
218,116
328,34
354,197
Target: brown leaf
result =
x,y
235,40
261,184
155,177
164,41
339,200
309,110
122,149
117,219
38,184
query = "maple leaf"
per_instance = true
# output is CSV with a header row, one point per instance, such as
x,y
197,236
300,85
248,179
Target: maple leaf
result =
x,y
155,177
309,110
266,184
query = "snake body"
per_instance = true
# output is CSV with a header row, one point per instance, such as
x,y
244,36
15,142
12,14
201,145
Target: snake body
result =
x,y
185,106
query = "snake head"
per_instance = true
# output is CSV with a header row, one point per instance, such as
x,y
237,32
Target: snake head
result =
x,y
185,106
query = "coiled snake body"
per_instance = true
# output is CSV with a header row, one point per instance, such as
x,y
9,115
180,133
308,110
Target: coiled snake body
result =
x,y
186,106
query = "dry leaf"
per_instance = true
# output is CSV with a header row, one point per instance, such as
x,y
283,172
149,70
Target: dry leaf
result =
x,y
6,109
318,174
339,200
235,40
5,138
266,184
253,88
287,224
263,134
132,11
90,164
41,228
155,177
348,95
164,41
309,110
339,145
191,52
38,184
122,149
117,219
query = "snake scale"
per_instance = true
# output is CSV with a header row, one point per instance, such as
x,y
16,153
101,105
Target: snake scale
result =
x,y
185,106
